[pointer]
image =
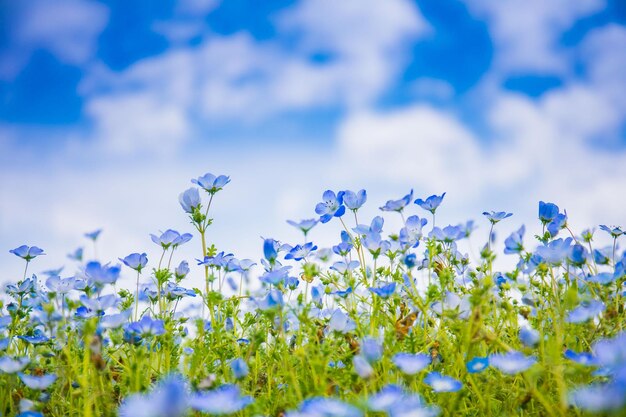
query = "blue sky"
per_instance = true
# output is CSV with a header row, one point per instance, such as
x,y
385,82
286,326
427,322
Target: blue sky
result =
x,y
107,109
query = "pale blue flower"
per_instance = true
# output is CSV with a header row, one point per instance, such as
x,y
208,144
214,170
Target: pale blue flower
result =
x,y
511,362
442,383
410,363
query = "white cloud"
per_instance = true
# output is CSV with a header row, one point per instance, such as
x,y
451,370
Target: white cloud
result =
x,y
526,33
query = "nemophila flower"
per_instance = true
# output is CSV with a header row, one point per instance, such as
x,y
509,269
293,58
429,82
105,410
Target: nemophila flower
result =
x,y
219,260
331,206
100,304
398,205
270,249
603,278
384,291
37,338
614,231
4,344
602,256
27,252
448,234
413,407
211,183
353,201
338,364
598,398
529,336
292,283
190,200
10,365
410,363
376,226
442,383
299,252
226,399
37,382
375,244
77,255
170,398
136,261
583,358
181,270
547,212
93,235
30,413
559,222
343,293
340,322
325,407
114,321
147,327
410,260
452,305
411,233
61,285
100,275
496,216
305,226
386,398
239,367
611,353
514,243
555,252
431,203
362,367
477,365
371,349
273,299
342,267
578,255
53,272
276,276
512,362
171,238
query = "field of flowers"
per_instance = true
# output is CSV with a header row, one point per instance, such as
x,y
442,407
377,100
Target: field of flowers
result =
x,y
386,322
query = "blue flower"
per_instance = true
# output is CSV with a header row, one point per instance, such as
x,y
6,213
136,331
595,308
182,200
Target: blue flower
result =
x,y
578,255
442,383
410,363
190,199
495,216
376,226
398,205
604,278
448,234
411,233
27,252
386,398
547,212
583,358
331,206
136,261
371,349
304,225
37,338
599,397
171,238
270,250
210,183
99,274
272,299
93,235
585,311
352,200
477,365
100,304
181,270
559,222
431,203
114,321
342,267
375,244
37,382
384,291
325,407
340,322
240,368
226,399
10,365
514,243
555,252
170,398
147,327
362,367
511,362
529,336
299,252
276,276
77,255
343,293
614,231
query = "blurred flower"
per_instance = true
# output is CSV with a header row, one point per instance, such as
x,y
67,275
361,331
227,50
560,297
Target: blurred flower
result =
x,y
93,235
410,363
240,368
477,365
37,382
511,362
441,383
